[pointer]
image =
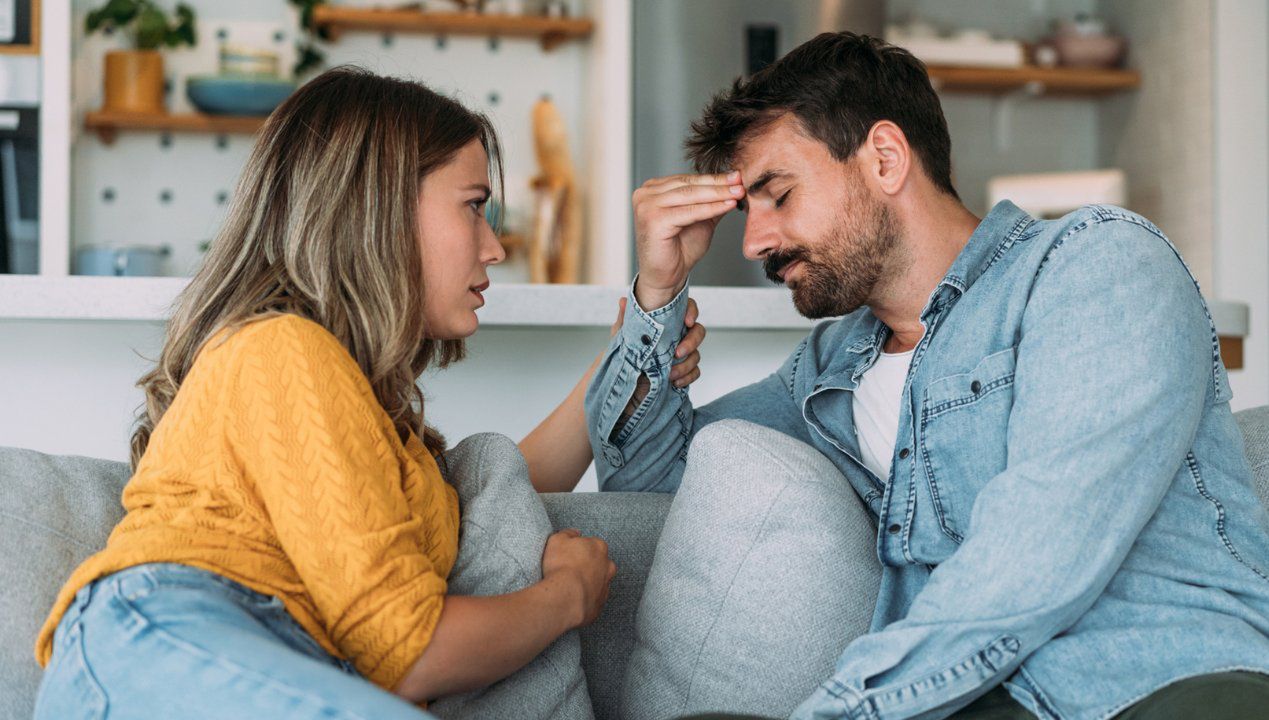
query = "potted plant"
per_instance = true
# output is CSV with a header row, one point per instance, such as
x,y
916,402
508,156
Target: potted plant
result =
x,y
134,78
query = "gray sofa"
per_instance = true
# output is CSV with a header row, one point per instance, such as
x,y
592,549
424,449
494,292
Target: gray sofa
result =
x,y
55,511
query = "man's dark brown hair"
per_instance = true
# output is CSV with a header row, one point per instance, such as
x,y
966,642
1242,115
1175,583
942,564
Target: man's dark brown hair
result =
x,y
838,85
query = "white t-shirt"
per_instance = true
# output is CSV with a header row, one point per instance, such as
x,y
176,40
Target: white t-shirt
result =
x,y
876,410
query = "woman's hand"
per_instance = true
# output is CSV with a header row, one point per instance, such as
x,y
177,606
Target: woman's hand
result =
x,y
582,562
480,640
687,357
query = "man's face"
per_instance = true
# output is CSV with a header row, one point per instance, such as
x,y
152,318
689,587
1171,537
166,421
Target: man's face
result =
x,y
813,220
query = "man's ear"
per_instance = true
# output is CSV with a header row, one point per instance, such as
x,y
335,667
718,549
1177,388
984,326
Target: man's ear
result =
x,y
889,157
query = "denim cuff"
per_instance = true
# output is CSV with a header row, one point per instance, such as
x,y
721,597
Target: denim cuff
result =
x,y
652,335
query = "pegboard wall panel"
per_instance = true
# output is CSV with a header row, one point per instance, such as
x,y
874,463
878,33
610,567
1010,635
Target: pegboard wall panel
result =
x,y
150,188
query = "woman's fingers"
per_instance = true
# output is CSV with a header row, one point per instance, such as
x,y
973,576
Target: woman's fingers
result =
x,y
691,341
684,369
692,313
621,314
688,379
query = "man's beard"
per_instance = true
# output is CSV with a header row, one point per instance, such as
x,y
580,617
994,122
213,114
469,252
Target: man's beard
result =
x,y
842,274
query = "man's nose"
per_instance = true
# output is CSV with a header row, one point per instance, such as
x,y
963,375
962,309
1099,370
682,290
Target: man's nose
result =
x,y
760,236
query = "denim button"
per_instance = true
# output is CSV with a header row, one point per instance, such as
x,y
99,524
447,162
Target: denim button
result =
x,y
613,456
645,340
904,453
975,387
894,529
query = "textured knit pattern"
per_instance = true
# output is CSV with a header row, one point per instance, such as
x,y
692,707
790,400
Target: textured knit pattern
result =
x,y
275,466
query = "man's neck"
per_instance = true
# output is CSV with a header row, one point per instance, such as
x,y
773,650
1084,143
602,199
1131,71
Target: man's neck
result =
x,y
933,232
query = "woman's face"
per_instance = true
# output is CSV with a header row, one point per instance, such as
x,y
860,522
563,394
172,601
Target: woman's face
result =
x,y
457,243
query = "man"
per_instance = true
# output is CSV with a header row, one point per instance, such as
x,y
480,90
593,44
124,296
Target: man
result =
x,y
1035,412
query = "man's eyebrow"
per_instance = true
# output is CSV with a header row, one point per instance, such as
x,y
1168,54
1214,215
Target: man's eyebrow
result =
x,y
763,179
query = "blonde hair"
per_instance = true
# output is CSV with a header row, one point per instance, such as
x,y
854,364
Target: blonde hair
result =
x,y
323,224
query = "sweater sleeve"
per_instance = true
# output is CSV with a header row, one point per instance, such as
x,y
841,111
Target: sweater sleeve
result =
x,y
311,437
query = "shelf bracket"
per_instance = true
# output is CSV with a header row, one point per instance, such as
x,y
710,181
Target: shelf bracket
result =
x,y
107,134
1002,111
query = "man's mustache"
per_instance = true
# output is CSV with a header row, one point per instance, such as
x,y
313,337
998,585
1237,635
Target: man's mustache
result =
x,y
777,261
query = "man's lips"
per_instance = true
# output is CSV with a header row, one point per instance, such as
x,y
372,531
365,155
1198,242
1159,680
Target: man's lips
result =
x,y
784,271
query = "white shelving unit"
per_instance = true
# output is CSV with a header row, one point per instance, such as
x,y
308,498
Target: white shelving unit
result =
x,y
149,300
602,95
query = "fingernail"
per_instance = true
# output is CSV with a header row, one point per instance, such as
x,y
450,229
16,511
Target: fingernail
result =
x,y
733,175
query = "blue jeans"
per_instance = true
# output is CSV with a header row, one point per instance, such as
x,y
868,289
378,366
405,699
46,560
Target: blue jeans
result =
x,y
164,640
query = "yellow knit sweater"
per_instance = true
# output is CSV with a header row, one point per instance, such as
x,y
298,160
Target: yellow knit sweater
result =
x,y
275,466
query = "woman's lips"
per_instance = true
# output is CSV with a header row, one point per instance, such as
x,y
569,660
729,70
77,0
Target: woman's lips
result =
x,y
477,291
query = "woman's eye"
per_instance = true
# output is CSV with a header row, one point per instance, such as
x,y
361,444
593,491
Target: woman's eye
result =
x,y
477,206
780,201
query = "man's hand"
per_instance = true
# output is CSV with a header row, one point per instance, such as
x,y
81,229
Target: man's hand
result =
x,y
675,218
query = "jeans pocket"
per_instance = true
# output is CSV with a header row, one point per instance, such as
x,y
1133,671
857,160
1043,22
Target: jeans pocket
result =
x,y
69,689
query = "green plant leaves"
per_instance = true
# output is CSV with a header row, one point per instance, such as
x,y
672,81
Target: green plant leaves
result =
x,y
146,22
184,30
151,28
308,55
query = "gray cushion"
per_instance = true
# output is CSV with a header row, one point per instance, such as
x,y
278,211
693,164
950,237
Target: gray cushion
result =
x,y
1254,423
503,533
54,512
631,524
765,570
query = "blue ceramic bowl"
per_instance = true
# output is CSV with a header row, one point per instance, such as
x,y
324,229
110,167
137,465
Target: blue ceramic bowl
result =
x,y
237,94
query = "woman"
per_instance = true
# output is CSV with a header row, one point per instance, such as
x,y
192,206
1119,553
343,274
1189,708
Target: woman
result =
x,y
288,529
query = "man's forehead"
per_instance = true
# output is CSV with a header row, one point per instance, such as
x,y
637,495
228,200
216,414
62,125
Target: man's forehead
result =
x,y
780,147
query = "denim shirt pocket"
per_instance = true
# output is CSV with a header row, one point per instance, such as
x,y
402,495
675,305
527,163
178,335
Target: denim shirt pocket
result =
x,y
964,427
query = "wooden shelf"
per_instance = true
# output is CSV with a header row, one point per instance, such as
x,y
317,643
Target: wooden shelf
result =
x,y
108,124
1037,80
551,31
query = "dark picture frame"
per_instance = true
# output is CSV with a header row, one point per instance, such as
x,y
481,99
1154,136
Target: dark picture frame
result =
x,y
26,36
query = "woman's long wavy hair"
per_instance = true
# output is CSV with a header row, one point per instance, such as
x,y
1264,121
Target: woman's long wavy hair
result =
x,y
323,225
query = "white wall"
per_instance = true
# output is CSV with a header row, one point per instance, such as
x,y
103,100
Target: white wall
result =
x,y
68,387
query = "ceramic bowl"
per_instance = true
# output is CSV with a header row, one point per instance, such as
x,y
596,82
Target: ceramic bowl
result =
x,y
237,94
1102,51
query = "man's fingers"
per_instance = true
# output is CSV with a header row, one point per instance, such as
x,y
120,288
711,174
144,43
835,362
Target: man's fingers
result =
x,y
690,318
691,214
693,179
695,194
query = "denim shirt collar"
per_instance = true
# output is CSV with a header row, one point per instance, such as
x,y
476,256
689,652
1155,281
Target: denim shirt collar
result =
x,y
994,235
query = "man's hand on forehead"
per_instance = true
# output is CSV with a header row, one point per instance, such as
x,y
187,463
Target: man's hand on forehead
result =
x,y
675,217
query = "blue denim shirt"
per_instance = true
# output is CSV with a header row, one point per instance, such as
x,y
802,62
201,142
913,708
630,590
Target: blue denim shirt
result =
x,y
1069,509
